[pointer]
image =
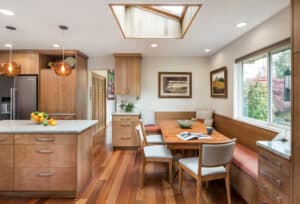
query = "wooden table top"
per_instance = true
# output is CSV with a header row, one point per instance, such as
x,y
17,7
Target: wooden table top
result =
x,y
170,129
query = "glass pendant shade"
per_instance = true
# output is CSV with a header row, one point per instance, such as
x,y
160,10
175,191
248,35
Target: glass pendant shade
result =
x,y
11,69
62,69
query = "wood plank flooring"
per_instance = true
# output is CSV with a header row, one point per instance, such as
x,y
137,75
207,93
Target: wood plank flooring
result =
x,y
116,177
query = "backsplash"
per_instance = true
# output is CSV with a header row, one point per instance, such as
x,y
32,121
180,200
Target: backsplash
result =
x,y
125,99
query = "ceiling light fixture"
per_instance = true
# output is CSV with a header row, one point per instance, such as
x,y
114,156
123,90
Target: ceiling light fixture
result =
x,y
56,45
241,25
207,50
10,68
62,68
154,45
7,12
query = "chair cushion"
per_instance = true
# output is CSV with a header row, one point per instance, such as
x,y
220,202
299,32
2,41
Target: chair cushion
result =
x,y
157,151
154,139
192,164
246,160
152,129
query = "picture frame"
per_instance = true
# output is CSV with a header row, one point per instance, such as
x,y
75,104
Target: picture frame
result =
x,y
175,85
218,83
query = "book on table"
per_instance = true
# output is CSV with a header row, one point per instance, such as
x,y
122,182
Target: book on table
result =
x,y
192,135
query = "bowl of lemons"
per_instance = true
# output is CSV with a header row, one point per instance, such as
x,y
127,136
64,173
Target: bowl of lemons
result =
x,y
42,118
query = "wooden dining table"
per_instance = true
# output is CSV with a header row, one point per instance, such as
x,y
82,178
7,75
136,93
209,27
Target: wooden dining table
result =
x,y
170,129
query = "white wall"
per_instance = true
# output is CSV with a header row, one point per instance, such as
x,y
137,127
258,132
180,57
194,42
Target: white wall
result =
x,y
200,85
271,31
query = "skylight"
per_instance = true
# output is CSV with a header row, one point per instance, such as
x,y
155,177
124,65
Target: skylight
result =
x,y
154,21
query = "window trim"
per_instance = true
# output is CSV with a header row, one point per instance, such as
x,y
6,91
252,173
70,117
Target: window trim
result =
x,y
279,47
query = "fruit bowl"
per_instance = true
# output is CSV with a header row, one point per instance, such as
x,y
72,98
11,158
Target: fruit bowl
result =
x,y
42,118
185,124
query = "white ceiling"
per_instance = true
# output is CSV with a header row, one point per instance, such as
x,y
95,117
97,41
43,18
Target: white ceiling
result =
x,y
94,30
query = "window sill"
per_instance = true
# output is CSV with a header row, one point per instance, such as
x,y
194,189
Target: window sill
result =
x,y
268,126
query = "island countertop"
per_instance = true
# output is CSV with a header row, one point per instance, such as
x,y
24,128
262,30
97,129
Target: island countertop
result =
x,y
63,126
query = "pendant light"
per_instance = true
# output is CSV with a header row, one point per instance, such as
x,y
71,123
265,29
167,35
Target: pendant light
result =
x,y
62,68
10,68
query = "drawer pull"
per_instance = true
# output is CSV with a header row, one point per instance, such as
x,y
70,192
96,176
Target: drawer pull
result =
x,y
272,162
263,187
125,125
275,198
125,138
44,139
271,177
45,151
46,174
2,139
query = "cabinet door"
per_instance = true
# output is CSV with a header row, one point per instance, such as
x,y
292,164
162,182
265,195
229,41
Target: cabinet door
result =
x,y
67,94
48,98
134,75
296,25
6,162
29,62
121,76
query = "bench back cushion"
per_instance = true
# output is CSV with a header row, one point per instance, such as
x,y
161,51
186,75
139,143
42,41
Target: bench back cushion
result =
x,y
245,133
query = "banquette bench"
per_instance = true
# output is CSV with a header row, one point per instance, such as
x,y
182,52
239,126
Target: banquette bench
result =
x,y
244,171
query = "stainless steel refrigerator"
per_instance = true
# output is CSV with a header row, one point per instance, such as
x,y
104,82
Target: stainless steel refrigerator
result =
x,y
18,97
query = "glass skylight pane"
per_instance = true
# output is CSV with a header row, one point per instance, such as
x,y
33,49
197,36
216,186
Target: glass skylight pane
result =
x,y
175,10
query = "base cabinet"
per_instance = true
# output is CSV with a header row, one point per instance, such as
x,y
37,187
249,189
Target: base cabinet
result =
x,y
123,131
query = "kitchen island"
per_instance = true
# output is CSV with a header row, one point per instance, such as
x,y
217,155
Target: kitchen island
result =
x,y
37,160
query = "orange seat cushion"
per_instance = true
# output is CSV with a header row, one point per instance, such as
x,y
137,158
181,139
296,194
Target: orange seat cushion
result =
x,y
152,129
246,159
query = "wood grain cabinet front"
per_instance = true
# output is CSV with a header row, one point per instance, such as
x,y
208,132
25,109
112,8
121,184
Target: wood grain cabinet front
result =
x,y
6,162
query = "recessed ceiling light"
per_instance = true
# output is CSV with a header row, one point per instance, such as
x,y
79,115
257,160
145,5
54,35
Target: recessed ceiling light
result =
x,y
154,45
241,25
56,45
8,45
7,12
207,50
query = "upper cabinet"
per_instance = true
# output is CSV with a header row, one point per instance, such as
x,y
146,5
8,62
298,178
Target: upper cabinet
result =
x,y
29,61
128,74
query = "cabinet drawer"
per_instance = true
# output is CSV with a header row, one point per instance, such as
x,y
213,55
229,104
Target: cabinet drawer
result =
x,y
124,134
45,179
267,197
45,139
45,156
6,179
6,139
128,118
6,156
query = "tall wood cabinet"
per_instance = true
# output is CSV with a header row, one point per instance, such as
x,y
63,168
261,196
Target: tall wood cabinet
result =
x,y
128,74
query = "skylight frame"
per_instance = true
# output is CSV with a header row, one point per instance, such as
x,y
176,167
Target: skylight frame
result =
x,y
166,14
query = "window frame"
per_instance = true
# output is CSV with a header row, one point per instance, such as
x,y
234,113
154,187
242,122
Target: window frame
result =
x,y
269,124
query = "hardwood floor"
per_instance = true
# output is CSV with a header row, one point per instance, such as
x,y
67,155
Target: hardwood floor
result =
x,y
116,176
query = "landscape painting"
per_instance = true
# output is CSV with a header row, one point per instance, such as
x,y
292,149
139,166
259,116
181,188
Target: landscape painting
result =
x,y
175,85
218,83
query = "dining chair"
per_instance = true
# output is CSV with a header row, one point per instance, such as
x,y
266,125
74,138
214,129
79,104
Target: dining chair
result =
x,y
153,153
151,138
213,163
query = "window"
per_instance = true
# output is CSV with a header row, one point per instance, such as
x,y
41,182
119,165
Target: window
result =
x,y
265,88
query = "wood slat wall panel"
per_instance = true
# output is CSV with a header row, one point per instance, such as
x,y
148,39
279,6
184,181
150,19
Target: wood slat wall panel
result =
x,y
174,116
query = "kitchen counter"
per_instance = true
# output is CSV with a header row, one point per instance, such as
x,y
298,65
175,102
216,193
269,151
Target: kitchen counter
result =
x,y
280,145
63,126
125,113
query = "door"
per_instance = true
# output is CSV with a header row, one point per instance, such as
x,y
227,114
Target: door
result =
x,y
6,85
25,96
99,100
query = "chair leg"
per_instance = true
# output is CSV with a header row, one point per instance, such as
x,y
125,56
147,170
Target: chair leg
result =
x,y
199,189
171,172
206,184
227,181
180,179
143,172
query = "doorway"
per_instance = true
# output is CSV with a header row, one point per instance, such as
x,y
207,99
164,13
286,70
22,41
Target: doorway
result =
x,y
98,100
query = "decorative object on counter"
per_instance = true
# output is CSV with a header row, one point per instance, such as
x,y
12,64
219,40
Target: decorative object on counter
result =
x,y
62,68
10,68
42,118
218,83
209,130
110,84
185,124
175,85
127,107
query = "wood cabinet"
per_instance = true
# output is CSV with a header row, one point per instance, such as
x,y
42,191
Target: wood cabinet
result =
x,y
128,74
296,25
123,130
6,162
273,178
29,61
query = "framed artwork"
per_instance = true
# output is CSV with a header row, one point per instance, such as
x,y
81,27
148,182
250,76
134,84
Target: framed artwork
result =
x,y
175,85
218,83
110,85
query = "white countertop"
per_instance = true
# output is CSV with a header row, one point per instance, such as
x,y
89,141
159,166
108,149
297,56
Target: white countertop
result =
x,y
125,113
63,126
279,147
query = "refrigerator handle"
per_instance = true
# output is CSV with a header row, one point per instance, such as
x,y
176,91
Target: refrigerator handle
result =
x,y
11,104
14,101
